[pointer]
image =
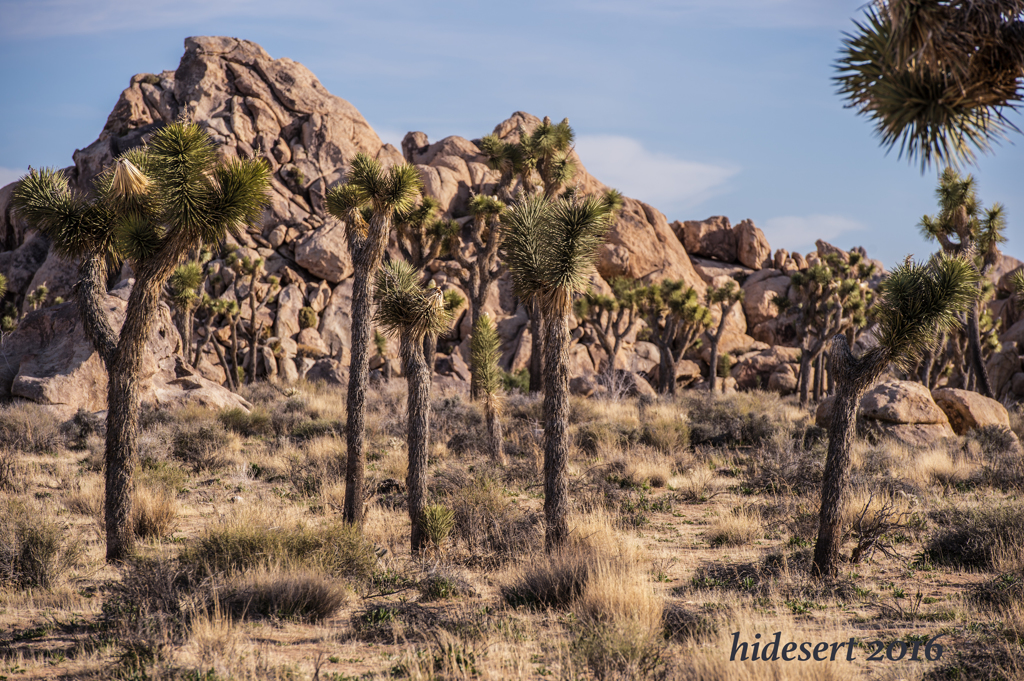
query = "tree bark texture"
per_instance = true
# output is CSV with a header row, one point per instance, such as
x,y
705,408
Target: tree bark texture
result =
x,y
853,377
418,434
556,431
536,349
90,293
984,386
367,257
495,432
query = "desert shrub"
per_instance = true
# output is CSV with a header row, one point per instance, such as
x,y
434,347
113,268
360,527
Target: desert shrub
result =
x,y
489,523
740,419
598,439
554,580
83,424
204,446
167,474
516,382
321,463
736,528
443,584
35,549
639,470
970,537
11,473
667,435
29,427
308,318
993,440
154,512
620,622
286,592
312,428
725,362
245,543
787,469
247,423
85,497
682,625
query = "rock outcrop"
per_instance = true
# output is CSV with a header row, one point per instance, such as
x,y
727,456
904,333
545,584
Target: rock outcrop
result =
x,y
899,410
967,410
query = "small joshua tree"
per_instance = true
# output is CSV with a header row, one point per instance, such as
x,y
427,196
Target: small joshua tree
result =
x,y
676,319
38,297
551,247
367,203
915,301
410,311
156,204
725,297
612,318
183,290
485,348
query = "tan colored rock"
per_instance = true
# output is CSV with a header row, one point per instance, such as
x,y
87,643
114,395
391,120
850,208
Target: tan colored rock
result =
x,y
901,402
708,270
336,319
752,247
318,294
825,248
755,370
58,275
641,245
289,301
711,238
783,379
759,290
583,385
1001,368
21,264
967,410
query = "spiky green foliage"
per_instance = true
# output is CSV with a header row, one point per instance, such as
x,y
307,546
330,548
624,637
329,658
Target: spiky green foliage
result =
x,y
184,285
551,246
1017,281
485,350
3,286
726,294
380,342
393,192
38,296
916,300
406,307
936,76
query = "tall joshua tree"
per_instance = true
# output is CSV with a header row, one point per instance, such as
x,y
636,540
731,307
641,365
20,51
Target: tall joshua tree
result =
x,y
725,297
915,301
367,203
156,204
551,247
962,225
676,320
410,311
485,348
936,77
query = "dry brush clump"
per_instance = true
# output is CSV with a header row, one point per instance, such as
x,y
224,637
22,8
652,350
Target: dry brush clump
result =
x,y
36,549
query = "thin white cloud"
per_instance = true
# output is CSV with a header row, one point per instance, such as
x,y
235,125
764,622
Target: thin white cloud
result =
x,y
9,175
742,13
799,232
656,178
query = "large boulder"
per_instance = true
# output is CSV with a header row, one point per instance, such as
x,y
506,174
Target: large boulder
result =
x,y
967,410
900,410
711,238
324,253
755,370
1001,368
336,319
752,247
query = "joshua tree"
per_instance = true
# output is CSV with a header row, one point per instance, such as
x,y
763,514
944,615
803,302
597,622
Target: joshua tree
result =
x,y
38,297
3,286
725,297
676,319
612,318
485,347
183,290
509,158
367,202
551,246
915,301
830,299
155,205
257,299
963,226
410,311
216,307
936,76
380,343
1018,286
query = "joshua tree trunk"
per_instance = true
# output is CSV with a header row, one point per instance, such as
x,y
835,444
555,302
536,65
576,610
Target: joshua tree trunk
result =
x,y
666,371
853,377
232,385
537,348
367,257
926,368
90,291
819,377
185,320
977,361
429,352
418,406
556,431
495,435
123,404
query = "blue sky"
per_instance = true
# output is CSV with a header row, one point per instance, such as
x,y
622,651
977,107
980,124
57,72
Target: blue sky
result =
x,y
714,107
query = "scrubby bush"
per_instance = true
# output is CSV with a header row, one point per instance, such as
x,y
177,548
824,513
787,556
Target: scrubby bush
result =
x,y
247,423
35,549
739,419
308,318
736,528
489,524
154,512
321,463
30,428
287,592
972,538
204,446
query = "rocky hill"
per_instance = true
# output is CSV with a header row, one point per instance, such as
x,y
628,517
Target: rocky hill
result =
x,y
253,104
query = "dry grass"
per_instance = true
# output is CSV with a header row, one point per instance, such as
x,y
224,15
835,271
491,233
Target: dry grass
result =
x,y
736,528
155,512
284,591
